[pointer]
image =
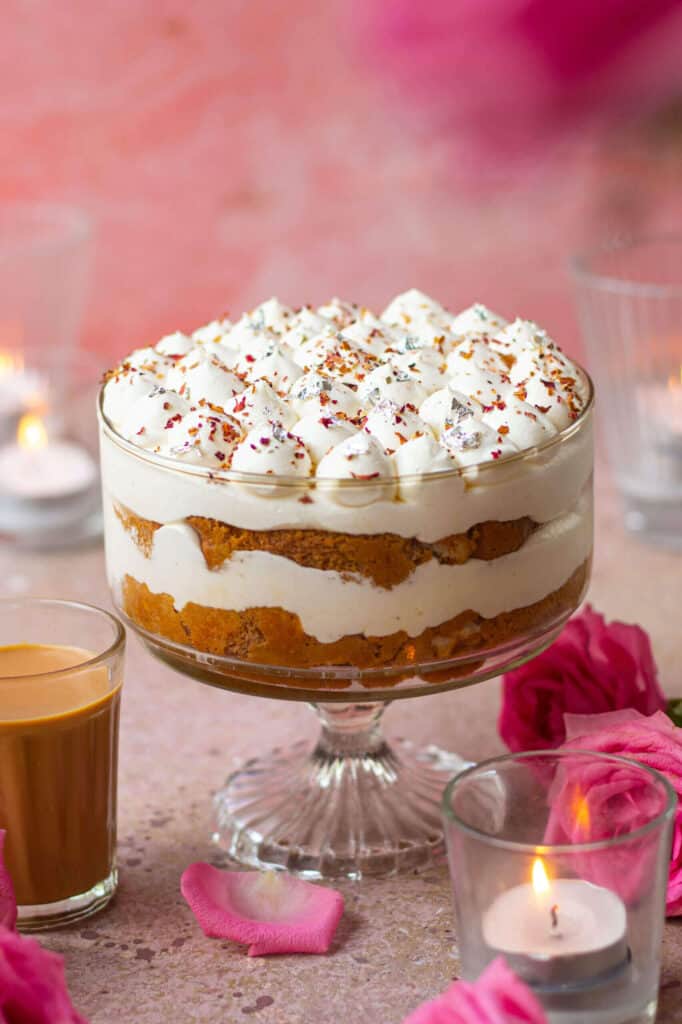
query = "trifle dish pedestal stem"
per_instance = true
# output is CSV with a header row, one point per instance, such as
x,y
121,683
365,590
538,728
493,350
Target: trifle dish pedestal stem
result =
x,y
353,806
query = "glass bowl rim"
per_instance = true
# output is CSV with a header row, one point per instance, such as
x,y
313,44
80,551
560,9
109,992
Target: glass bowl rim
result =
x,y
551,849
582,266
387,483
67,222
117,645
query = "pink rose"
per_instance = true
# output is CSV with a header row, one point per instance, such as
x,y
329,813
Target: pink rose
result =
x,y
591,668
8,902
32,985
497,997
611,799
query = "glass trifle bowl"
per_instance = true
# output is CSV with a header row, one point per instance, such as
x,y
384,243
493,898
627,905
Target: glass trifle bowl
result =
x,y
346,592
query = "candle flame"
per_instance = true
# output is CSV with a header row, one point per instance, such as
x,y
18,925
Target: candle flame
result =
x,y
11,362
675,380
31,432
581,811
540,879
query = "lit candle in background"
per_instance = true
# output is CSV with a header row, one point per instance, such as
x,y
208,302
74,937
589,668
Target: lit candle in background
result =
x,y
21,388
35,467
670,407
49,493
659,415
558,931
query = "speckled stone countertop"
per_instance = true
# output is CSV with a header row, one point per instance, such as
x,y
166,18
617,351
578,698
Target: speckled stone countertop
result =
x,y
145,959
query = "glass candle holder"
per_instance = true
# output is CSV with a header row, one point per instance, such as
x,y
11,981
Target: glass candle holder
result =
x,y
630,303
559,863
61,673
48,475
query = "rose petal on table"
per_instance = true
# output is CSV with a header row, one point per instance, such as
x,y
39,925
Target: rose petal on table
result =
x,y
497,997
32,984
8,902
269,911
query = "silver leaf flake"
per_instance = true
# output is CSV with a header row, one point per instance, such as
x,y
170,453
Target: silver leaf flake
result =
x,y
458,439
459,412
313,388
279,433
374,397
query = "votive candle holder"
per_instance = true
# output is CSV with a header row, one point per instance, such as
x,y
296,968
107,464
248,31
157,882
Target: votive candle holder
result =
x,y
559,863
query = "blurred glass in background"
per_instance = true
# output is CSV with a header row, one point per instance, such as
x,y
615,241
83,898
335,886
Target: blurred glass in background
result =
x,y
630,301
49,483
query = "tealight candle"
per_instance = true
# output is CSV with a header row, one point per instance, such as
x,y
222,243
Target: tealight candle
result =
x,y
20,388
560,931
563,879
48,488
661,405
35,467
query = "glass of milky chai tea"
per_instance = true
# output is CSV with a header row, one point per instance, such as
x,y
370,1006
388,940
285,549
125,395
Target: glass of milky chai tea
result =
x,y
61,672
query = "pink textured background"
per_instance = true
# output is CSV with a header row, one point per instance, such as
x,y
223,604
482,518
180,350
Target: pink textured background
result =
x,y
227,150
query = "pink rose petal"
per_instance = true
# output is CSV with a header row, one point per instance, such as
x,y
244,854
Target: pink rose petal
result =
x,y
497,997
615,799
8,902
593,667
32,984
271,912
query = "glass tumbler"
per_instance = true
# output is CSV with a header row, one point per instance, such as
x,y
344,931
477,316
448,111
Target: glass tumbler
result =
x,y
559,863
630,304
61,672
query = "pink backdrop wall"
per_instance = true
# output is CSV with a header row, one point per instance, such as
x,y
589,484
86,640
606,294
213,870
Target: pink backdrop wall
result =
x,y
227,150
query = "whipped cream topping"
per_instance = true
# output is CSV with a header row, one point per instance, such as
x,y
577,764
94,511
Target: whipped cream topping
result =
x,y
341,393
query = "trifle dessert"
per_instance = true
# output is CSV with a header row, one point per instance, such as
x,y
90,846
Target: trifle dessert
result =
x,y
331,488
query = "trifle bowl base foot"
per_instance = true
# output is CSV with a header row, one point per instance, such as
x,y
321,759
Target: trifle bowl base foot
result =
x,y
353,806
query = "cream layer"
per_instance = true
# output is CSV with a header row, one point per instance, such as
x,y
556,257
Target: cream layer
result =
x,y
542,486
331,605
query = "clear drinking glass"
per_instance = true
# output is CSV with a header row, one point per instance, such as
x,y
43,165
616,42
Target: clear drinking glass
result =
x,y
559,863
630,302
61,673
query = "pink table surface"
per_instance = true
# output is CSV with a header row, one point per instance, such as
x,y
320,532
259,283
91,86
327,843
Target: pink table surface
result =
x,y
145,960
